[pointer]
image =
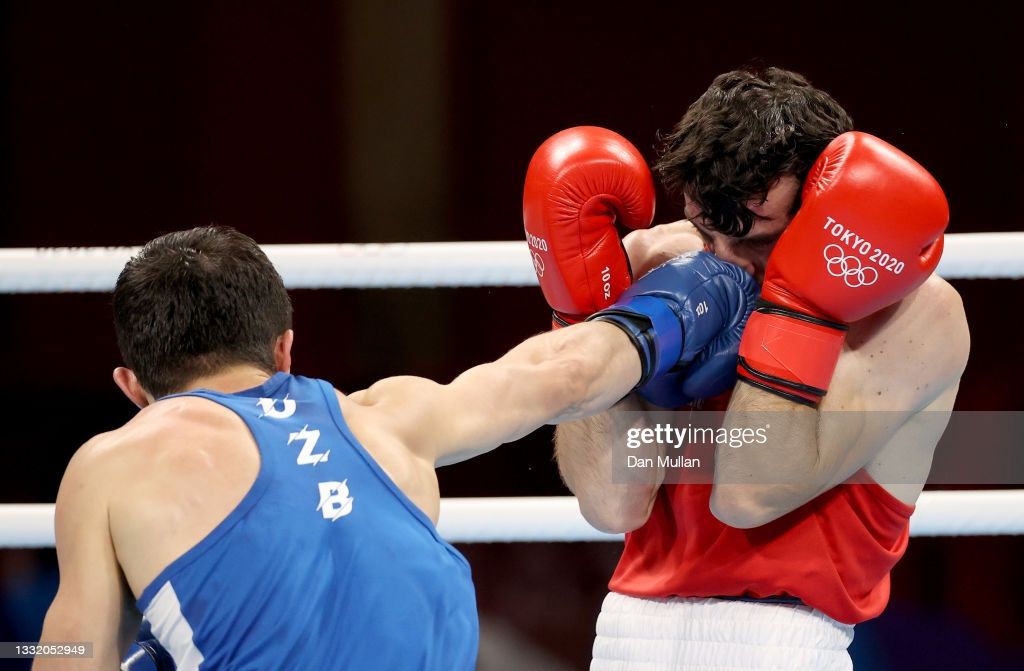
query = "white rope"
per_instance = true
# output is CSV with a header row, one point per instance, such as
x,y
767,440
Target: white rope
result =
x,y
516,519
558,519
982,255
969,513
415,264
26,525
394,265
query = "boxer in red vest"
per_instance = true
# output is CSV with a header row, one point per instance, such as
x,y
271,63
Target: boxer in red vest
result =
x,y
772,563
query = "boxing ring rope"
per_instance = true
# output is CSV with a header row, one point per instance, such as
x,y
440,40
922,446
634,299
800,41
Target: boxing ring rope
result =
x,y
467,264
415,264
558,519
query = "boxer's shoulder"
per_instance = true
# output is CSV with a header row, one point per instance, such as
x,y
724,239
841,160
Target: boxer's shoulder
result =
x,y
392,403
169,476
173,438
923,312
936,298
931,319
905,355
173,422
937,334
375,415
389,421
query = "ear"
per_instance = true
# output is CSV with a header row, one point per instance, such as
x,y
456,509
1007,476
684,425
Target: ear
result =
x,y
129,385
283,351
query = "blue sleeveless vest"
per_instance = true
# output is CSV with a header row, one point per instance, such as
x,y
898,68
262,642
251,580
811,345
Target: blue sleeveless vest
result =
x,y
325,564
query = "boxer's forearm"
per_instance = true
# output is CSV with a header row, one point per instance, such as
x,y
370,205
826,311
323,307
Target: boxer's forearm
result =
x,y
606,368
758,483
585,449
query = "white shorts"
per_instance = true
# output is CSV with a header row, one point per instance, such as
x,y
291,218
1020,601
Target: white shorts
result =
x,y
639,634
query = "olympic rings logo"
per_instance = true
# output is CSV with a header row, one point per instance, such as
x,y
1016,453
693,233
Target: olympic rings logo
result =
x,y
538,265
849,268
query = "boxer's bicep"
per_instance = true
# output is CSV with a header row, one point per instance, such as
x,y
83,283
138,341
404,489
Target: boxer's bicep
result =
x,y
806,452
558,376
903,394
482,408
555,376
903,465
92,602
585,450
497,403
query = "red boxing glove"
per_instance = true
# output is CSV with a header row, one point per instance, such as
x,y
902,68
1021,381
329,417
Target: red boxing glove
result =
x,y
580,181
868,232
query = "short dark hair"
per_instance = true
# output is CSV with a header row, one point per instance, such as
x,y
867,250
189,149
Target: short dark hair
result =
x,y
192,302
746,131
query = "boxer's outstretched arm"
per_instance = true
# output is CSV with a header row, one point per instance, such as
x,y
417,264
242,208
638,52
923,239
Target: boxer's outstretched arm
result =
x,y
93,602
584,450
553,377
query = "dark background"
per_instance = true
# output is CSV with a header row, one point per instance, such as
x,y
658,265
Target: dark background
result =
x,y
371,121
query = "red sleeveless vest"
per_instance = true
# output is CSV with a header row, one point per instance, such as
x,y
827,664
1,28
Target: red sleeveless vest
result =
x,y
834,552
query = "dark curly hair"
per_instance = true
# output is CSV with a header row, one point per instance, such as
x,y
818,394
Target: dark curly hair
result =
x,y
194,302
748,129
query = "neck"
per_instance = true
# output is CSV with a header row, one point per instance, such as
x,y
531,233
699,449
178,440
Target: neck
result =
x,y
230,380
